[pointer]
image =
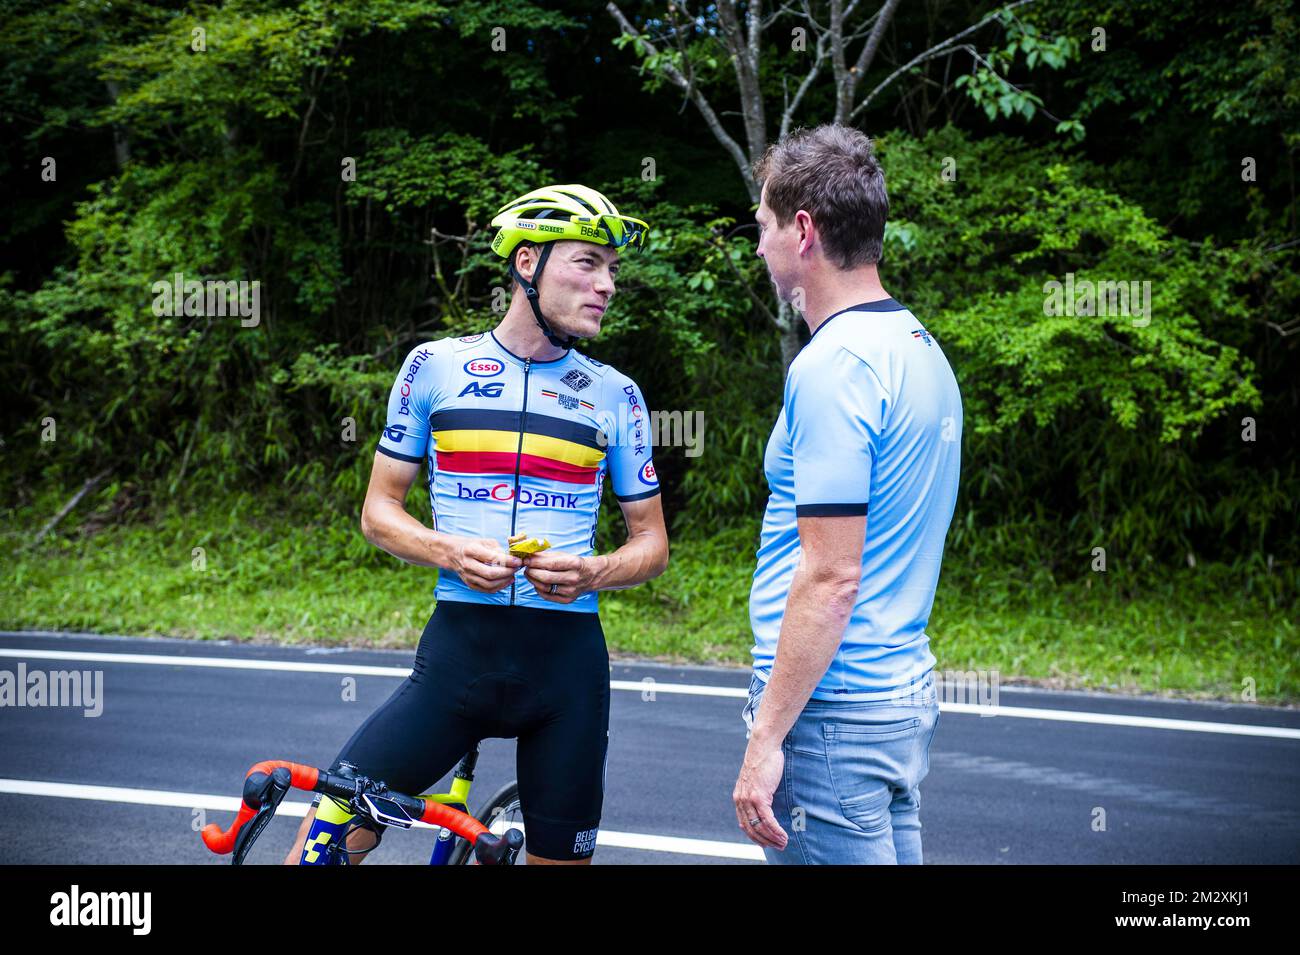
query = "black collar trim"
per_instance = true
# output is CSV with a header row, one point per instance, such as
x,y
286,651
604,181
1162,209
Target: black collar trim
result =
x,y
880,305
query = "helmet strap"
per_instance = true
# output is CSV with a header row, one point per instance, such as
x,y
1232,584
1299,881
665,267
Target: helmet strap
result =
x,y
531,293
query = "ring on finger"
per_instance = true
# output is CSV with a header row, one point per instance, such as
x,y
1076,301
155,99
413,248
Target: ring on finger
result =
x,y
553,586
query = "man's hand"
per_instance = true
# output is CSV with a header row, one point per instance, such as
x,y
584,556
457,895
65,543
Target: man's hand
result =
x,y
570,575
760,774
482,564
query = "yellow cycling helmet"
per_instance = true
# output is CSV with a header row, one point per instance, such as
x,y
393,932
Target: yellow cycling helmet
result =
x,y
551,213
564,212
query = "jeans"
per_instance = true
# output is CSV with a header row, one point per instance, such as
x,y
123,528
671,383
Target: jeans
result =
x,y
849,793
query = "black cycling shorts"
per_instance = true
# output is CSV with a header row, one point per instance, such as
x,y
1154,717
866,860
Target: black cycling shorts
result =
x,y
496,671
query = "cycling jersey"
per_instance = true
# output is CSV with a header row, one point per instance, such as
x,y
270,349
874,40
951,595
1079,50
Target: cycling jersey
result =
x,y
516,445
872,418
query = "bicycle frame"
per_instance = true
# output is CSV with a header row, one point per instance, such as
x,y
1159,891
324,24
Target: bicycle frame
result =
x,y
458,798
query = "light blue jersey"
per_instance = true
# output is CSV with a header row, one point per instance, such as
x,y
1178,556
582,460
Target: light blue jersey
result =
x,y
515,445
871,424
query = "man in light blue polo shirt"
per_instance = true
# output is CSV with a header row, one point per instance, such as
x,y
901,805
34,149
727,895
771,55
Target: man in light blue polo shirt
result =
x,y
862,467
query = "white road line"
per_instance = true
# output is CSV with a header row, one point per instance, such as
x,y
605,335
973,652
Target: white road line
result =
x,y
650,685
1119,719
229,663
230,804
646,686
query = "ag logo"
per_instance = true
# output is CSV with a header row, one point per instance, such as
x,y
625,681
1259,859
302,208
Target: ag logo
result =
x,y
491,390
647,474
484,367
470,339
395,433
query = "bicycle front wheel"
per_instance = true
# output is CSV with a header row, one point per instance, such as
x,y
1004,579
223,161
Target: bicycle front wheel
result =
x,y
501,812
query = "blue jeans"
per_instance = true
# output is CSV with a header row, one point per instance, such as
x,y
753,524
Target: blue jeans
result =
x,y
849,793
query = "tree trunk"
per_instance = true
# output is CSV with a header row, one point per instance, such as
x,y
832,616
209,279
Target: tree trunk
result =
x,y
790,344
121,142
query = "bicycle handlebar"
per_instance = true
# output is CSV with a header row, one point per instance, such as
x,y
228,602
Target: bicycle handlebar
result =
x,y
223,843
488,848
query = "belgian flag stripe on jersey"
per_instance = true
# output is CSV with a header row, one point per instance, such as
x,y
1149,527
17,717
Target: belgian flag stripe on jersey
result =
x,y
538,445
500,462
474,419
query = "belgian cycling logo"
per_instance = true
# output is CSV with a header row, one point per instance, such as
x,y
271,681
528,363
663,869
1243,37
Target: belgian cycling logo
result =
x,y
585,841
492,389
921,334
471,339
395,433
568,402
484,367
575,380
647,474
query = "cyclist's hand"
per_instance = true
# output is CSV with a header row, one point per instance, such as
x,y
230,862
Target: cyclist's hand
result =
x,y
760,774
571,576
483,565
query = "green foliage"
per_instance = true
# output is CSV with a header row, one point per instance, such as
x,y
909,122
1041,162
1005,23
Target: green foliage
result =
x,y
982,248
227,163
988,87
279,566
1123,401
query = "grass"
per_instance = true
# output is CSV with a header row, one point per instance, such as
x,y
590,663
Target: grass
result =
x,y
239,571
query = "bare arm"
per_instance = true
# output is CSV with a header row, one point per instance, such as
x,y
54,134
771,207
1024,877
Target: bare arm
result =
x,y
483,564
642,556
820,602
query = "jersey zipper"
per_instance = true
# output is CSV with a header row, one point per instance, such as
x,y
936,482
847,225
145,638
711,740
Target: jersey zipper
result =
x,y
519,460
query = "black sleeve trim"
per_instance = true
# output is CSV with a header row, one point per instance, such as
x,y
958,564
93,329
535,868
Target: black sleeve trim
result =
x,y
830,510
401,457
637,497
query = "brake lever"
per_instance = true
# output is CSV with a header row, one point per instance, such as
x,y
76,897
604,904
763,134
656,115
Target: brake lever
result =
x,y
265,793
498,850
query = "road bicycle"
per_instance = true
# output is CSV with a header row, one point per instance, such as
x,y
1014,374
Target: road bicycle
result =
x,y
492,836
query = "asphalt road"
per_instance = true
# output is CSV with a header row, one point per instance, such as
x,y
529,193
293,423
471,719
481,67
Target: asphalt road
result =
x,y
174,741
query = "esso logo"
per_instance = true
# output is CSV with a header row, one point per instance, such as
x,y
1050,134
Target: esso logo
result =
x,y
647,474
470,339
484,367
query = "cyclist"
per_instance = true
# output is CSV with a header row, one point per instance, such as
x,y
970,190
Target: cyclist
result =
x,y
518,429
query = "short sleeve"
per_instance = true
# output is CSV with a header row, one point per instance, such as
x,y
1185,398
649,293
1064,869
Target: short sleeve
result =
x,y
410,403
835,408
630,451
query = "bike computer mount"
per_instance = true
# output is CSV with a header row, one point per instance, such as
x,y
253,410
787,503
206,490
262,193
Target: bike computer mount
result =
x,y
385,811
375,805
